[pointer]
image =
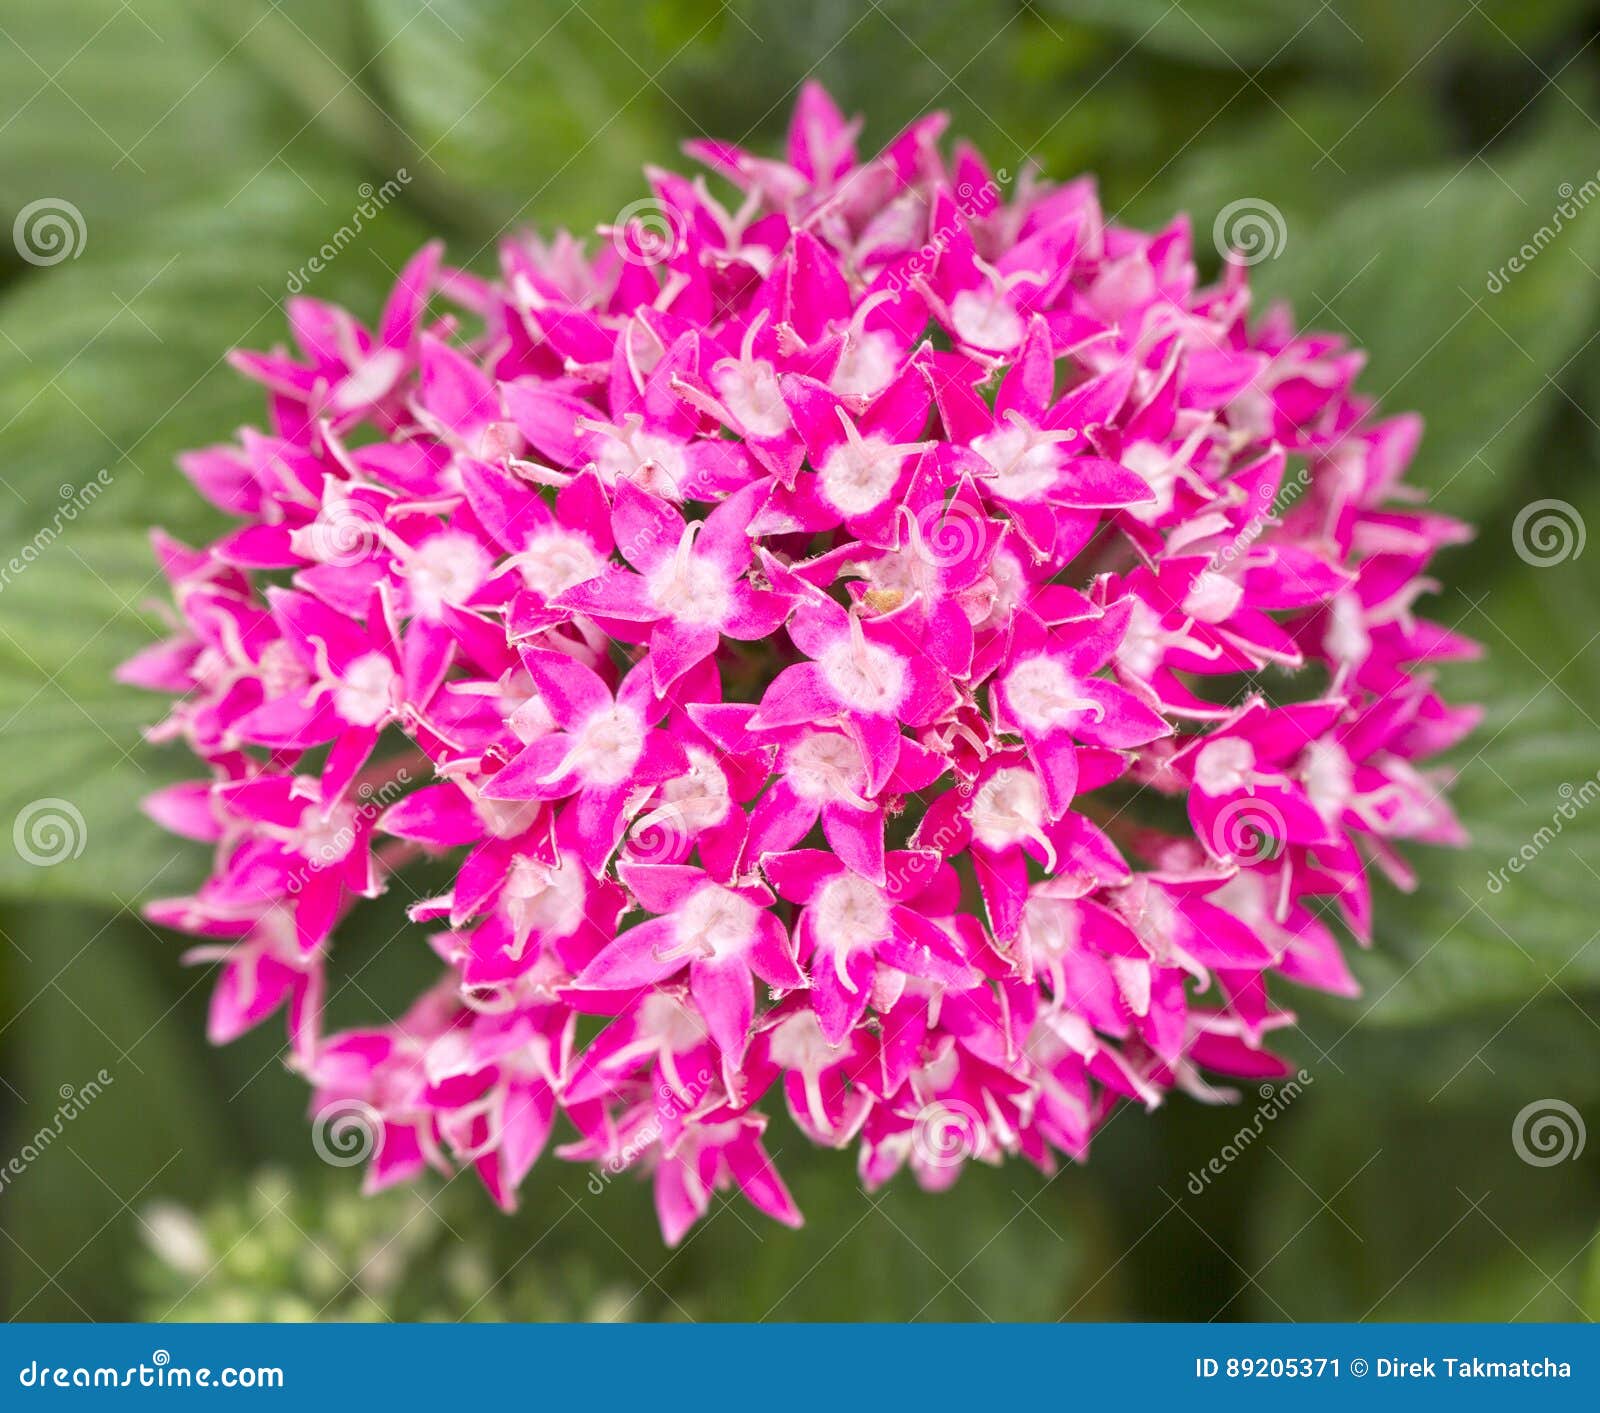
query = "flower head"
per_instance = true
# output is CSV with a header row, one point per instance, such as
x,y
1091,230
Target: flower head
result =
x,y
783,637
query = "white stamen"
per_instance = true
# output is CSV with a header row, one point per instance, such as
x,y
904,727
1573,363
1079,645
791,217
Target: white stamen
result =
x,y
1225,765
366,694
690,588
1042,696
865,675
555,560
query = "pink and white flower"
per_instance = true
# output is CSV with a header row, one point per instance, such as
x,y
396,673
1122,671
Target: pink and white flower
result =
x,y
785,635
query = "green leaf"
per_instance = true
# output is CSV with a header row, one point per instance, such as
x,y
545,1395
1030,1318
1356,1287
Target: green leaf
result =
x,y
1326,149
98,396
77,769
1408,274
113,108
89,1001
1397,1211
1591,1284
1512,913
116,361
1002,1244
532,117
1389,42
1218,33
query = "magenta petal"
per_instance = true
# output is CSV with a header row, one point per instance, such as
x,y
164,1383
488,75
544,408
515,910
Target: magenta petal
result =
x,y
856,835
1003,881
633,959
839,1007
759,1181
880,738
535,773
675,648
771,957
662,581
726,998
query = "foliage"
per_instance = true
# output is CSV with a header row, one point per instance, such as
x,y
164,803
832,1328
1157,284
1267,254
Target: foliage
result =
x,y
1411,150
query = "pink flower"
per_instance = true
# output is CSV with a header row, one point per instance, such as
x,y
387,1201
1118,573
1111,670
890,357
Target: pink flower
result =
x,y
780,638
723,935
851,929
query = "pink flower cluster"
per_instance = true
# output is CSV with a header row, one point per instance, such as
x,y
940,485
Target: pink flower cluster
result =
x,y
828,637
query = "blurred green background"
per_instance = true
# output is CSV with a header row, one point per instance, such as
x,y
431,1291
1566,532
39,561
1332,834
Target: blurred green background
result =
x,y
1411,149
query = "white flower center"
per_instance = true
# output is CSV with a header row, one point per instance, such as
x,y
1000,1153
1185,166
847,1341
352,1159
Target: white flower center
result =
x,y
280,671
1049,928
1133,978
1004,587
1329,777
543,899
691,589
1213,597
370,380
1245,896
910,570
345,531
1007,808
366,695
555,560
859,474
716,918
867,365
1141,649
1347,639
825,766
986,319
866,676
326,841
1025,467
799,1044
1159,469
1042,695
849,913
608,746
447,569
1224,766
670,1023
651,462
749,390
505,819
699,797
